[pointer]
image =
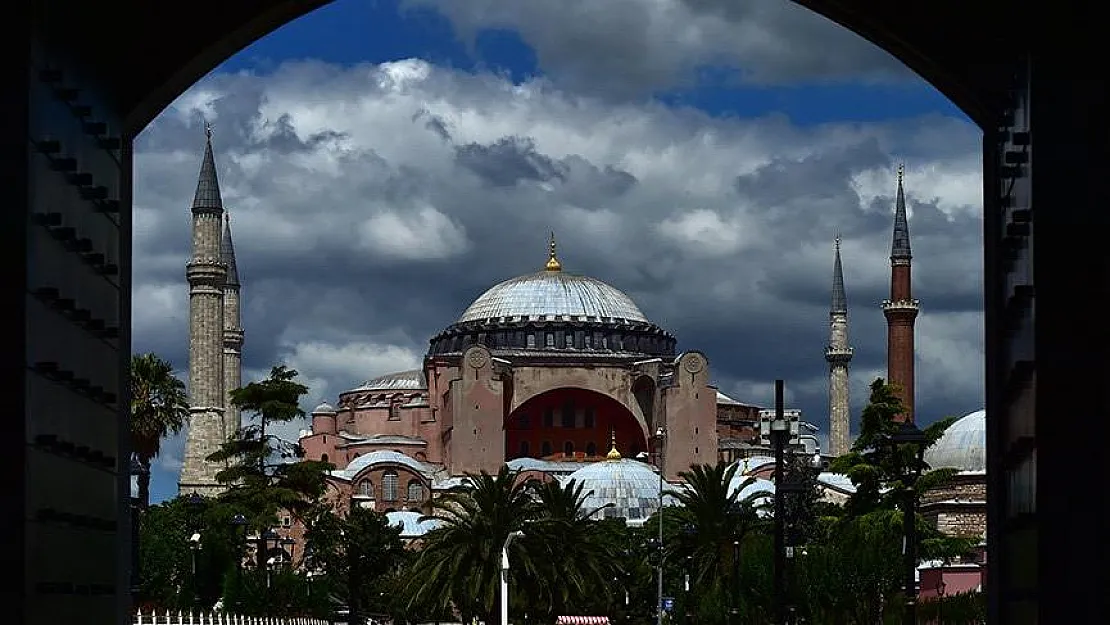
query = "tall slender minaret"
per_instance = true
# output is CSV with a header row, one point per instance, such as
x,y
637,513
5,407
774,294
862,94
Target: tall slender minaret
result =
x,y
233,330
206,274
838,354
901,309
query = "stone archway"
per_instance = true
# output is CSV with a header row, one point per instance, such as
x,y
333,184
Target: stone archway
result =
x,y
573,423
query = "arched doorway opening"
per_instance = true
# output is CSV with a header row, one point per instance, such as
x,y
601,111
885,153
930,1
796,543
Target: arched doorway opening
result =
x,y
571,423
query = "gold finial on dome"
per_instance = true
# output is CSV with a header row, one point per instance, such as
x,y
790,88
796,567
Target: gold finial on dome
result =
x,y
553,263
613,453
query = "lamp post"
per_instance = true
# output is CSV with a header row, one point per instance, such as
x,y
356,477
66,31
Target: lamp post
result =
x,y
194,503
780,431
660,440
909,436
505,575
734,609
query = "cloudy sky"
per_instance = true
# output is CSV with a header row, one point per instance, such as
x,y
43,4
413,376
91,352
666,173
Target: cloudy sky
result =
x,y
384,162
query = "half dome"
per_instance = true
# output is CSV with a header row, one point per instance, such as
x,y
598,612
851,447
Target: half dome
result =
x,y
547,295
963,446
630,487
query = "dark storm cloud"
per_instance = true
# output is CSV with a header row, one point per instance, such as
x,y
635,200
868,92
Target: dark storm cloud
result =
x,y
657,45
357,247
508,161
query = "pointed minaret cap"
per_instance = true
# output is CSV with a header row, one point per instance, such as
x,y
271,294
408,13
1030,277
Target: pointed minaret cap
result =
x,y
839,298
227,253
208,184
553,263
613,453
900,247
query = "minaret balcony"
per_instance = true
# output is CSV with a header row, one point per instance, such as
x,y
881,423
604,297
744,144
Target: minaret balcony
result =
x,y
901,305
233,338
836,355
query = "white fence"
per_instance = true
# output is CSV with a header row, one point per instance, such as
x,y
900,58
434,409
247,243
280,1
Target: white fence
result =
x,y
218,618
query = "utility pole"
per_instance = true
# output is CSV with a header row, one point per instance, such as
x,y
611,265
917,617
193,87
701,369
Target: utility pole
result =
x,y
780,431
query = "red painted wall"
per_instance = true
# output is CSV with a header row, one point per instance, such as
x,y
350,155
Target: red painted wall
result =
x,y
527,424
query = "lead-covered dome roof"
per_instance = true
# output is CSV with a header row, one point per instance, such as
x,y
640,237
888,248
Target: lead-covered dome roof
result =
x,y
631,486
547,295
963,446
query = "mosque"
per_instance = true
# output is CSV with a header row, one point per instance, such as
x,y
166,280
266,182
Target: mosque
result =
x,y
559,375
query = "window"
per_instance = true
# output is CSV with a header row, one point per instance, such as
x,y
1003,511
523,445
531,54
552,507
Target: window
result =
x,y
366,489
591,450
568,449
545,449
324,458
389,486
549,418
589,341
286,521
549,340
395,410
589,418
525,422
568,415
416,492
524,449
531,340
569,341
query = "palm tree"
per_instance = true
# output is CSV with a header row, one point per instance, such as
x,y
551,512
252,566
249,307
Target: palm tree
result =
x,y
460,564
159,408
714,519
576,562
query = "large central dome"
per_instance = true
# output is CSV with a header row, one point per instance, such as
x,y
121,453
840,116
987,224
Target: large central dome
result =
x,y
551,314
551,294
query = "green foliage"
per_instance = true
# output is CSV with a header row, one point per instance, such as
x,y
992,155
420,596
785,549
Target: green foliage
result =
x,y
159,408
360,555
260,473
968,608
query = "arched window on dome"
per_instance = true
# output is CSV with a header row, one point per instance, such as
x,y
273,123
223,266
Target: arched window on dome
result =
x,y
591,450
588,338
568,449
531,344
524,449
569,340
549,340
545,449
389,486
415,492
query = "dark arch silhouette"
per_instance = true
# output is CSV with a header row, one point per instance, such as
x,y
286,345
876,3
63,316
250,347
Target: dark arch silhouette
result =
x,y
130,58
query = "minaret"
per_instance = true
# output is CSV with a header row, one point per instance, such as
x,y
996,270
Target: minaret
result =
x,y
838,354
901,309
233,330
206,274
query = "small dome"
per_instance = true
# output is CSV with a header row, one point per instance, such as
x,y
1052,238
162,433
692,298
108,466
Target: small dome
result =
x,y
963,446
630,485
758,486
412,524
323,409
413,380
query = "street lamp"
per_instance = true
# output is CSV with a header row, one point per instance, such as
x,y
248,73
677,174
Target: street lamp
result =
x,y
909,436
505,575
660,439
194,504
780,432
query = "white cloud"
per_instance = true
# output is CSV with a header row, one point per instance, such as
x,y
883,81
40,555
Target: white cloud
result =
x,y
420,235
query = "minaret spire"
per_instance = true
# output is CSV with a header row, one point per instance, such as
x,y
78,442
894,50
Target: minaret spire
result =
x,y
553,263
207,277
901,309
838,354
233,329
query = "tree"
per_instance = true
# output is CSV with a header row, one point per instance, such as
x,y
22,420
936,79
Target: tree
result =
x,y
159,408
359,554
712,521
260,472
459,567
